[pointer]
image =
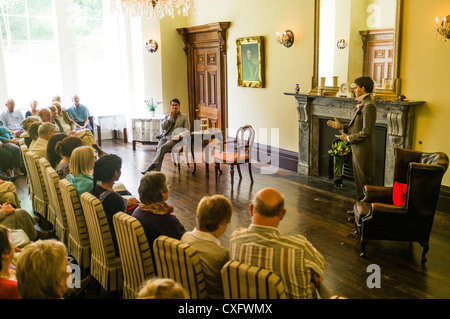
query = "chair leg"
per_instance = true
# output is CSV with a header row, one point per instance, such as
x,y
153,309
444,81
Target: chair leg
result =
x,y
425,247
216,170
239,171
363,248
250,171
232,174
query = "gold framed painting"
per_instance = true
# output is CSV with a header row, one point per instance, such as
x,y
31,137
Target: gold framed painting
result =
x,y
250,62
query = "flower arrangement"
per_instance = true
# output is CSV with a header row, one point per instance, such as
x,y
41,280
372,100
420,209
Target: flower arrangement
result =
x,y
339,150
151,104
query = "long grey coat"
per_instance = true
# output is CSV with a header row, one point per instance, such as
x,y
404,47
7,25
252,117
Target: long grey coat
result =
x,y
361,133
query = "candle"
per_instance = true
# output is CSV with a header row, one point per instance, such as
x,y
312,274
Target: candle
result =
x,y
322,83
335,81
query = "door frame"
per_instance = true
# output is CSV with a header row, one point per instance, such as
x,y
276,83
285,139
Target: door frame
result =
x,y
211,35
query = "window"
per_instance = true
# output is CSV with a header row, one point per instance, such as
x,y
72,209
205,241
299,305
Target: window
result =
x,y
56,47
30,51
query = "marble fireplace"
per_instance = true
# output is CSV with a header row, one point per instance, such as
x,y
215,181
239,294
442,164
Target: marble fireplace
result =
x,y
396,116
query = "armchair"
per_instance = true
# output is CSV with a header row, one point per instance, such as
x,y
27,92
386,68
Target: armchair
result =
x,y
376,216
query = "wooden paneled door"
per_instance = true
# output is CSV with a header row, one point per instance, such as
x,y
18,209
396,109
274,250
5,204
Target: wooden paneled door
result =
x,y
205,47
378,48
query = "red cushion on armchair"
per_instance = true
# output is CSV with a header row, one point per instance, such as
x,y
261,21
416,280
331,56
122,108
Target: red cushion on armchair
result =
x,y
399,194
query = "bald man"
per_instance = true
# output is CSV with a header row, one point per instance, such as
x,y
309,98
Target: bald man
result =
x,y
293,258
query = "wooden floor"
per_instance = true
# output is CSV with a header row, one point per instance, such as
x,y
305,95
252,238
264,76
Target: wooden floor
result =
x,y
315,209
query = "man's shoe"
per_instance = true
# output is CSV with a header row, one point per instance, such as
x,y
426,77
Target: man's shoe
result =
x,y
151,168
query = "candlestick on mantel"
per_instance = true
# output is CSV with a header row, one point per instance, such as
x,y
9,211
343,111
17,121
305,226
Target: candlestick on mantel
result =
x,y
335,81
322,83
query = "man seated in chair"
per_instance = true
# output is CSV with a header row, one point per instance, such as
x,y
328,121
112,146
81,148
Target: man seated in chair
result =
x,y
293,258
176,127
213,216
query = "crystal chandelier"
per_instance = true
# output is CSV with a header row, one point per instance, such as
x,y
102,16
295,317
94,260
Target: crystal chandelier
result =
x,y
152,8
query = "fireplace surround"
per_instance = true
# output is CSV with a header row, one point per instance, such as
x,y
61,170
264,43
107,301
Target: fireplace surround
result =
x,y
396,115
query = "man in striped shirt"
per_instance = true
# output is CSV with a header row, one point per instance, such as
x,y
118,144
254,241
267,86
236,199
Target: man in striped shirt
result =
x,y
293,258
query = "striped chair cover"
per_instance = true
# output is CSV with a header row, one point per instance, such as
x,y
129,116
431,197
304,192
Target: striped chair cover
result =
x,y
106,268
135,253
241,281
55,202
24,149
180,262
51,212
79,245
40,199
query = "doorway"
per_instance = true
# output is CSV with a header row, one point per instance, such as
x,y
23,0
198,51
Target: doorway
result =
x,y
206,51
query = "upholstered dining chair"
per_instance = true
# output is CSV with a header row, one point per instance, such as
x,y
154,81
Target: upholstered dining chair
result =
x,y
180,262
40,198
384,215
106,268
135,253
245,136
24,150
55,203
79,245
242,281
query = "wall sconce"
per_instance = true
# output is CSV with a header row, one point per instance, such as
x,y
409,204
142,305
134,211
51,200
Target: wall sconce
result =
x,y
443,28
341,44
151,46
286,39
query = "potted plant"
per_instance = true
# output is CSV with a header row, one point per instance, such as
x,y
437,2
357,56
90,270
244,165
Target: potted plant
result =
x,y
339,150
152,106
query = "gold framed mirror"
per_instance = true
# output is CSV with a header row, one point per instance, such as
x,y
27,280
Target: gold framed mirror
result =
x,y
365,41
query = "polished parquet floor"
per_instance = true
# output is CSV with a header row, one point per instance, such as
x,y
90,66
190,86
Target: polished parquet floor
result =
x,y
315,209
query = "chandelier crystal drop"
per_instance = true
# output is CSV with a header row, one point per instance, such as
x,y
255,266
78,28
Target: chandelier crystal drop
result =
x,y
153,8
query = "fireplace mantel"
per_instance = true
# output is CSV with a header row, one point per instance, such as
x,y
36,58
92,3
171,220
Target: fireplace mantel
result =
x,y
396,116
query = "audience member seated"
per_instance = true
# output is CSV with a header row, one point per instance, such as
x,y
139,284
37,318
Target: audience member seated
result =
x,y
64,149
12,118
213,216
33,111
79,113
154,214
107,171
53,157
45,132
33,132
42,270
45,115
66,125
20,219
8,193
6,165
26,124
10,144
81,168
8,282
293,258
162,288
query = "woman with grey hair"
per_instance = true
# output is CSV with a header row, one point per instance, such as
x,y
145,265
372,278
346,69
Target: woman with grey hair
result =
x,y
155,215
42,270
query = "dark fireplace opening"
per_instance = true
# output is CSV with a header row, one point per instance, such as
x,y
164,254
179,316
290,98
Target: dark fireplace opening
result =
x,y
328,136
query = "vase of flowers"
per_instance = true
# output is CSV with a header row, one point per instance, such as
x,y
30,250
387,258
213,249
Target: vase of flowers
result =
x,y
152,106
339,150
